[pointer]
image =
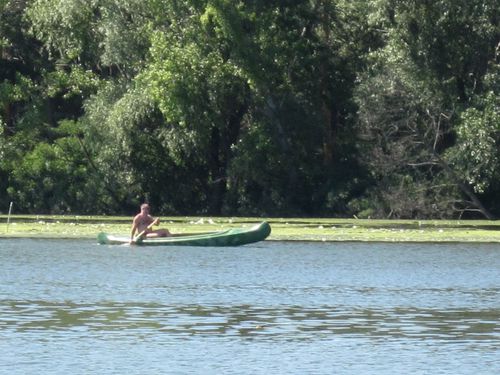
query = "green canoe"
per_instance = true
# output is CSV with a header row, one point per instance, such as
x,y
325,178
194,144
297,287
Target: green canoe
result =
x,y
229,237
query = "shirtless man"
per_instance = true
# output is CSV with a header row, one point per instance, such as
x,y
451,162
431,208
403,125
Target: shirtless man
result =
x,y
141,222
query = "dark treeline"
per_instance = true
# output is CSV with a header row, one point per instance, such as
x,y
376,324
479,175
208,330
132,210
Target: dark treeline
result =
x,y
374,108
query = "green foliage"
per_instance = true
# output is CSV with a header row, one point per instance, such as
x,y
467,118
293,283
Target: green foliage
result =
x,y
64,26
476,154
308,107
76,82
449,42
53,177
415,105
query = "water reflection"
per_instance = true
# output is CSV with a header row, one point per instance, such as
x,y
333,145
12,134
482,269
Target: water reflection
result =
x,y
75,307
244,320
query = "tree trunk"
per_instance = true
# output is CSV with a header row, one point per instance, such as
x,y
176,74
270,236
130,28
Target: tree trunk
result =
x,y
329,124
465,189
328,113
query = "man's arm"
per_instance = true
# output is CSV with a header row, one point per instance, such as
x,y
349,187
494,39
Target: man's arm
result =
x,y
134,228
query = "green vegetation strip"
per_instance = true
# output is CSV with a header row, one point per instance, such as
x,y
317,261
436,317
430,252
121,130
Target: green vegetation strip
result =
x,y
319,229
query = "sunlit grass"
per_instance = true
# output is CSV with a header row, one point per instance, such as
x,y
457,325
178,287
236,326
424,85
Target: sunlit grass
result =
x,y
286,229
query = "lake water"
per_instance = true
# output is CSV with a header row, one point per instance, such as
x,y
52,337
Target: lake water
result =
x,y
74,307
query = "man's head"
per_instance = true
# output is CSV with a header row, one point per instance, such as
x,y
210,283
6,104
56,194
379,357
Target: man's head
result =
x,y
144,207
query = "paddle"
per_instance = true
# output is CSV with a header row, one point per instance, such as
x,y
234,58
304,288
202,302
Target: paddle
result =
x,y
8,216
138,238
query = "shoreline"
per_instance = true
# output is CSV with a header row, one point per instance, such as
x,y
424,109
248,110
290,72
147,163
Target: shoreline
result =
x,y
283,229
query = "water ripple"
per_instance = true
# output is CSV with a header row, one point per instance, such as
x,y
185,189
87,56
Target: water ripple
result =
x,y
246,320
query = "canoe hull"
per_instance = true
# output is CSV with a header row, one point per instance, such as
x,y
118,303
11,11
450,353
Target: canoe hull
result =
x,y
230,237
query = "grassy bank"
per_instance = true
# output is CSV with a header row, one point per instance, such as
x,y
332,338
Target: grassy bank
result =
x,y
42,226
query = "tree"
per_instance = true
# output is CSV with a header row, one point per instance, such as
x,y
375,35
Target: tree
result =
x,y
421,82
475,155
299,77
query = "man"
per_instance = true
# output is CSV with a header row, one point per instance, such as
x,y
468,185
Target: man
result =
x,y
143,220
